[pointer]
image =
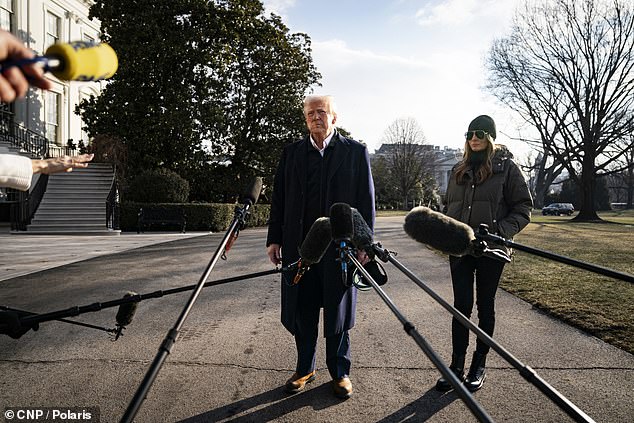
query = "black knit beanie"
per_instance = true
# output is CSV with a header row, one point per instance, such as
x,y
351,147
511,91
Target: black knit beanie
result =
x,y
485,123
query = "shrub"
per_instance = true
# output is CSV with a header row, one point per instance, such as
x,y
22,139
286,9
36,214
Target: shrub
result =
x,y
158,186
212,217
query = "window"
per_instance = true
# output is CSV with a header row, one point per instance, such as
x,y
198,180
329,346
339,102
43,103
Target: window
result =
x,y
52,29
52,116
6,14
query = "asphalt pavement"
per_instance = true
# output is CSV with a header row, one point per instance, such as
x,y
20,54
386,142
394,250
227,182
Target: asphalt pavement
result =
x,y
233,355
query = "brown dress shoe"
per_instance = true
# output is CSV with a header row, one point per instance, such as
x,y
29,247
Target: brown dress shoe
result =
x,y
297,383
342,387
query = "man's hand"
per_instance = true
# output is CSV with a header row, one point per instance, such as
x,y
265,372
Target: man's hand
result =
x,y
275,253
362,257
61,164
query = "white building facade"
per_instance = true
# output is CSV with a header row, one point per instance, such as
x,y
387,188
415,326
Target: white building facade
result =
x,y
40,23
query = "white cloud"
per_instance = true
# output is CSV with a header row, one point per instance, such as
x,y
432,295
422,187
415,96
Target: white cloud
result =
x,y
459,12
279,7
337,51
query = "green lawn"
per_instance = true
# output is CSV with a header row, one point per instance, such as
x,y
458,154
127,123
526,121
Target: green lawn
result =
x,y
597,304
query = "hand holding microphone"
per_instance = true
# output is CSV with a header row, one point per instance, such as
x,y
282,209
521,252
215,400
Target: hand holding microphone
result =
x,y
77,61
13,83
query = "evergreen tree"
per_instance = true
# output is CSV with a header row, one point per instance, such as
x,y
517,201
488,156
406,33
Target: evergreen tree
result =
x,y
201,83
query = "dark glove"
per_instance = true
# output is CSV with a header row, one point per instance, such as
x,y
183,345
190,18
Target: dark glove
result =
x,y
478,247
11,324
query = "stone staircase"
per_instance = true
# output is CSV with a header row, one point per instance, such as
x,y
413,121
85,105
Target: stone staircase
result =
x,y
75,203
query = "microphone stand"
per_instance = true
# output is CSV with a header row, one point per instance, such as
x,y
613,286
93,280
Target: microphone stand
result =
x,y
172,335
35,318
483,234
409,328
527,373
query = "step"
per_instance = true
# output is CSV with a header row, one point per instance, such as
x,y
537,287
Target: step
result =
x,y
75,196
60,208
65,231
74,226
70,214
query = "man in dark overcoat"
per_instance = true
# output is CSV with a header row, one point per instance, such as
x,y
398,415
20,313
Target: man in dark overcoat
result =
x,y
322,169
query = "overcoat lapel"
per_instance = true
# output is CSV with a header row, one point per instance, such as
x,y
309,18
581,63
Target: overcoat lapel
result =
x,y
301,162
340,154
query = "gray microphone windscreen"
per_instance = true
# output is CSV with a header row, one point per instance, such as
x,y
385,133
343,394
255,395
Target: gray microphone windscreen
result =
x,y
362,237
440,232
126,311
341,222
252,193
316,242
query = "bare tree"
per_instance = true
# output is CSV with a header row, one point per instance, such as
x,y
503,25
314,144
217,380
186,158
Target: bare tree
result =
x,y
568,69
621,182
408,157
543,172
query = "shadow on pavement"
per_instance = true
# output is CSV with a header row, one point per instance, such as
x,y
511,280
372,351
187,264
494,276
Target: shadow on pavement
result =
x,y
279,404
423,408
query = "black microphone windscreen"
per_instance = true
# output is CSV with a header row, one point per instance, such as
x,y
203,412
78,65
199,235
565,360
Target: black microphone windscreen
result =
x,y
438,231
316,242
341,222
252,193
362,237
126,311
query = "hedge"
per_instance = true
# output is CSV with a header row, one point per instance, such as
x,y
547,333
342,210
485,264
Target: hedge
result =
x,y
212,217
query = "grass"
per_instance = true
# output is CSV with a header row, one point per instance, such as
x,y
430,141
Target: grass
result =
x,y
388,213
599,305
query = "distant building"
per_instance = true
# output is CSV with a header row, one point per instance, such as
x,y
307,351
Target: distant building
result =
x,y
39,24
444,160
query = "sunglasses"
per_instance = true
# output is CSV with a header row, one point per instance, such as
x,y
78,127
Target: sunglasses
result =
x,y
478,133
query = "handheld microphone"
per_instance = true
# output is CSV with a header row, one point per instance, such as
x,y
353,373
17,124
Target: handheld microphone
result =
x,y
76,61
314,246
125,314
342,231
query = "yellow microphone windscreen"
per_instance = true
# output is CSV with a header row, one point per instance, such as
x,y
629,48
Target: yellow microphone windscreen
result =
x,y
83,61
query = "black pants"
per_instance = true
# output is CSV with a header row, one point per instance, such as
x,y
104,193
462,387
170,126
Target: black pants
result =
x,y
310,303
486,272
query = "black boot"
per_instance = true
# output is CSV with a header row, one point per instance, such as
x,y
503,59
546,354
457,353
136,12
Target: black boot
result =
x,y
477,372
457,367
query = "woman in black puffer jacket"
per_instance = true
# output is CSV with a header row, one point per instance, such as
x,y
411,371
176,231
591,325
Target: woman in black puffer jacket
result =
x,y
486,186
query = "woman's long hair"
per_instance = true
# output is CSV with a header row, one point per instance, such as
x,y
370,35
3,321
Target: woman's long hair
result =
x,y
484,170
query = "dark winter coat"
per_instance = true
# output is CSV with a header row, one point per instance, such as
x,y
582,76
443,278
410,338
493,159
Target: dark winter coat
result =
x,y
503,201
349,180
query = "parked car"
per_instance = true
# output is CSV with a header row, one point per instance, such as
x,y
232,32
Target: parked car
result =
x,y
558,209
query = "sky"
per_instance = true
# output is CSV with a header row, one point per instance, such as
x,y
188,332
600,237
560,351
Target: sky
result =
x,y
384,60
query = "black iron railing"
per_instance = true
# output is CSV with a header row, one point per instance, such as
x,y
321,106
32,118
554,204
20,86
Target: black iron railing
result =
x,y
23,138
24,204
113,203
